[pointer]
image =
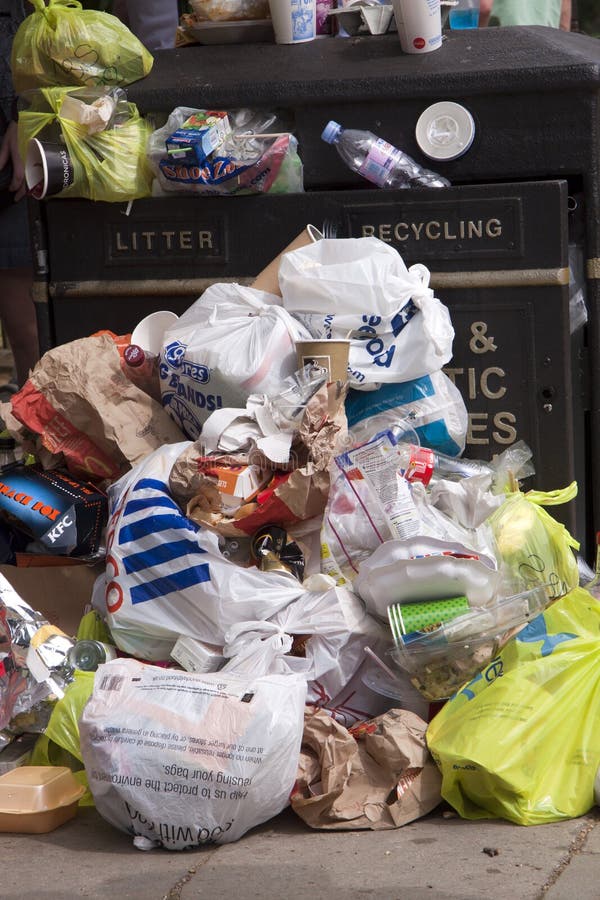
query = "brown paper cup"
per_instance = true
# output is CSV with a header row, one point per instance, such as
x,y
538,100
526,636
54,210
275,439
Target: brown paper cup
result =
x,y
48,168
268,279
331,355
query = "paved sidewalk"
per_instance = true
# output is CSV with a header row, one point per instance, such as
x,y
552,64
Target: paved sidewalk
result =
x,y
435,858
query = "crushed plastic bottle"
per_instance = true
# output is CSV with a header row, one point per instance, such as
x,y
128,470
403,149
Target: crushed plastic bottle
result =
x,y
378,161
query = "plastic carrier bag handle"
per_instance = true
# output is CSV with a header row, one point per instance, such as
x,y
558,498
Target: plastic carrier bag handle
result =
x,y
40,5
553,498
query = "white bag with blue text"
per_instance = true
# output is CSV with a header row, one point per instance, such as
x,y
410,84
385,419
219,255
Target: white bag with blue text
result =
x,y
359,288
232,342
182,760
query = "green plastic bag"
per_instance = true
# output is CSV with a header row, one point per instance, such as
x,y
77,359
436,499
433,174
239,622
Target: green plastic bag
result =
x,y
59,745
109,165
521,741
61,43
536,548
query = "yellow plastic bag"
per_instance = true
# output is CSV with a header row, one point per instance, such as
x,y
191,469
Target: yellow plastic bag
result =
x,y
535,547
109,165
521,741
61,43
59,745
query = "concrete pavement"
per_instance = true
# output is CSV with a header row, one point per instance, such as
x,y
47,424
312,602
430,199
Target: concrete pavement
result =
x,y
435,858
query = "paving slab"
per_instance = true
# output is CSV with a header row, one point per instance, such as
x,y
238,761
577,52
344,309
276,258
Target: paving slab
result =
x,y
435,858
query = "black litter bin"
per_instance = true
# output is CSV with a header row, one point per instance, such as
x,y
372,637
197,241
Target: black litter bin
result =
x,y
496,242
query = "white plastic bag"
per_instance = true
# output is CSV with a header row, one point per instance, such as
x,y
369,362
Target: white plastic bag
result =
x,y
232,342
166,576
335,629
186,760
432,405
360,288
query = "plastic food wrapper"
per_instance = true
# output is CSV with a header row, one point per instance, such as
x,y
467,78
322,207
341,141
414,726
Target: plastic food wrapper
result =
x,y
378,775
290,496
257,157
370,503
229,10
532,544
108,164
432,404
61,43
87,415
186,760
519,742
359,288
232,342
62,515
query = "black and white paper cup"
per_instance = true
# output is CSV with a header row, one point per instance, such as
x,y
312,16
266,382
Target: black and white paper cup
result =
x,y
48,168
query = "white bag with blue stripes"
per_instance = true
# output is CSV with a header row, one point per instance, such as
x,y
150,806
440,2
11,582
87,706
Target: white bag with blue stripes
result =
x,y
165,575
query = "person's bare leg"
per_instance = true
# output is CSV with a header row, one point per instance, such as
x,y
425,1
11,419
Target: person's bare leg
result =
x,y
17,313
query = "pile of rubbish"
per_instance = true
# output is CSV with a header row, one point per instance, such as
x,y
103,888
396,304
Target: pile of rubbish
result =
x,y
244,562
290,584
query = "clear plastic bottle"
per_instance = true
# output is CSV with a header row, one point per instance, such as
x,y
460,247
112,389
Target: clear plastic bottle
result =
x,y
378,161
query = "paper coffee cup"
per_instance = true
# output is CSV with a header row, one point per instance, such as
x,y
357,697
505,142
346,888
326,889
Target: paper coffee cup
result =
x,y
48,168
294,21
148,334
330,355
419,25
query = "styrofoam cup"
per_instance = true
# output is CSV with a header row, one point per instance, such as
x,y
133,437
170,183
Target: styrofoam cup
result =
x,y
148,333
419,25
294,21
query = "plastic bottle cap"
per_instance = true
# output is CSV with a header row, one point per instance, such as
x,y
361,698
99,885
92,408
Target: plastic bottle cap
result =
x,y
134,356
445,130
331,131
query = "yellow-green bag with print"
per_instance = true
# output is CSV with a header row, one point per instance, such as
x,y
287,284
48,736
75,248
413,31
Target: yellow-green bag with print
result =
x,y
61,43
109,165
521,741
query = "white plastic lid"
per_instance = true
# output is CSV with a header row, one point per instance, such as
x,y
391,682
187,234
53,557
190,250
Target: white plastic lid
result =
x,y
445,130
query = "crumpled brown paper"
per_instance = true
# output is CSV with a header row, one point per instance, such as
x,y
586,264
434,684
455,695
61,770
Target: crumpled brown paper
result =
x,y
87,414
378,776
300,495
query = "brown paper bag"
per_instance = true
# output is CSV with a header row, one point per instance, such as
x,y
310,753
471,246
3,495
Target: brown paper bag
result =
x,y
87,413
378,775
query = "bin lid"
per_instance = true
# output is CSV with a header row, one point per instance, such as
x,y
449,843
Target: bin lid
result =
x,y
317,73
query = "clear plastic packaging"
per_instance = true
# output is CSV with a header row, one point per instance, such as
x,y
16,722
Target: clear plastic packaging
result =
x,y
441,661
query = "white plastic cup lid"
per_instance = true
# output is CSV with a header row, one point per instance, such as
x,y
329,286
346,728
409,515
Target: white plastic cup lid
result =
x,y
445,130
